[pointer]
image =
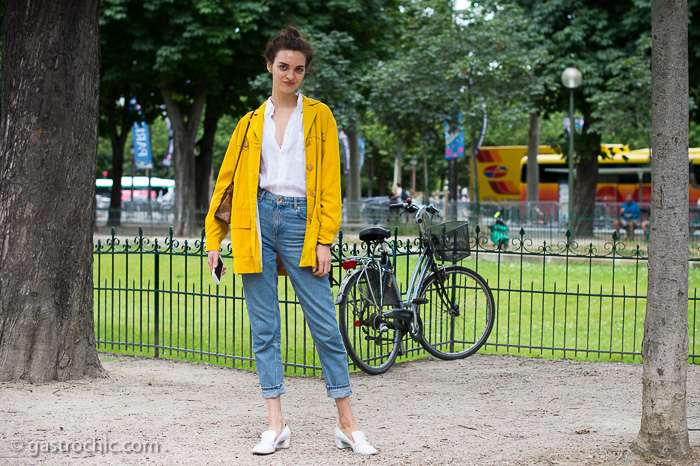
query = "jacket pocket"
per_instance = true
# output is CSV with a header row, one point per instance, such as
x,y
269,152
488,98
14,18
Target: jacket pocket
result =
x,y
240,217
240,232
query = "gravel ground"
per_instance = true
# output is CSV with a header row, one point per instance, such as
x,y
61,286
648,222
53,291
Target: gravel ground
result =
x,y
485,410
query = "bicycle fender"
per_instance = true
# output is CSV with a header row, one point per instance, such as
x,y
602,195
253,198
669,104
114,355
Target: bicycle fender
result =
x,y
344,284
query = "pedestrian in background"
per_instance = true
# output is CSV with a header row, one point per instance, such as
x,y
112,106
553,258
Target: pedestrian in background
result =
x,y
629,216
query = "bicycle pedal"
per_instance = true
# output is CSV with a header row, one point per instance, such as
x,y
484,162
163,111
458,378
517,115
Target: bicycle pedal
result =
x,y
420,301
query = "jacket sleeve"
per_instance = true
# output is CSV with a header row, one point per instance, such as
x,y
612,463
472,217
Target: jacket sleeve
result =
x,y
331,201
215,229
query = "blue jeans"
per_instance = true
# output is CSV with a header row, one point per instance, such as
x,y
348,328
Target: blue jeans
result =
x,y
282,227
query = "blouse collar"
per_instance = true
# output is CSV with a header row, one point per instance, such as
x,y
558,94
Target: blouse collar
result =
x,y
270,107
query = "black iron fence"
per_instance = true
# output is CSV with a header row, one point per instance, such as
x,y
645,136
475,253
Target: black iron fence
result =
x,y
558,298
543,221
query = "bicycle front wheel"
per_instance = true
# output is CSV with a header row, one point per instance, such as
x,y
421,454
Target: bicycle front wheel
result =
x,y
371,344
459,314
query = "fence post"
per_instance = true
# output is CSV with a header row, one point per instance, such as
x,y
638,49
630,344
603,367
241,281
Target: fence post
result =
x,y
156,300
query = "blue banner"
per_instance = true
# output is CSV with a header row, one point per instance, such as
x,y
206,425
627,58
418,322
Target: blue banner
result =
x,y
142,146
362,152
344,151
168,159
578,124
454,141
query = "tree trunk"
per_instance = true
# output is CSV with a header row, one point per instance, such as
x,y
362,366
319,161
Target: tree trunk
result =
x,y
203,162
452,168
381,180
533,169
184,134
50,92
118,140
584,195
369,171
398,161
586,183
426,178
115,196
664,427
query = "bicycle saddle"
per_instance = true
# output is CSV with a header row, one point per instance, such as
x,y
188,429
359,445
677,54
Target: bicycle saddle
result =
x,y
372,234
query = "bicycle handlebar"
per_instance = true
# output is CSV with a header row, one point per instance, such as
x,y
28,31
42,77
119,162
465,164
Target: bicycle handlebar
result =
x,y
410,206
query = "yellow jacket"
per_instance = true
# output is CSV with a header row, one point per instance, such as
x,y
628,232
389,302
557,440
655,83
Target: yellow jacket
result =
x,y
323,196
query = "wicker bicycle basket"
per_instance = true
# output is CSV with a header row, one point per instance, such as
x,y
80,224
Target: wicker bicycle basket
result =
x,y
450,241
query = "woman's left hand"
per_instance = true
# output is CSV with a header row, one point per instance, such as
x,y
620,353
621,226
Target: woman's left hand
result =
x,y
323,260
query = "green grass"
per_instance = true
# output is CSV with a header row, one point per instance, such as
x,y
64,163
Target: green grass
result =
x,y
582,310
194,314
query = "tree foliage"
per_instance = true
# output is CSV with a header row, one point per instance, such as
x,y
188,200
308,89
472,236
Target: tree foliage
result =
x,y
410,68
596,37
448,62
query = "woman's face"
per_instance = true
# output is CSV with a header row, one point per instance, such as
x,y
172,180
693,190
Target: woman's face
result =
x,y
287,71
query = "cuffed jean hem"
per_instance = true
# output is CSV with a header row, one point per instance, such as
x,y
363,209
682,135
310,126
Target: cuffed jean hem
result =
x,y
273,392
338,392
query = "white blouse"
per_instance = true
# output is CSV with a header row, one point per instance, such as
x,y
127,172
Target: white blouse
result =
x,y
283,169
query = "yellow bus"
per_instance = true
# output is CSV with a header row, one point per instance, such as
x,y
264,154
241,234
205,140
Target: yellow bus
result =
x,y
502,174
622,172
498,171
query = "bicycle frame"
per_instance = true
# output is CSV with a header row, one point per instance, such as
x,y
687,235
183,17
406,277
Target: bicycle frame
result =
x,y
426,264
426,260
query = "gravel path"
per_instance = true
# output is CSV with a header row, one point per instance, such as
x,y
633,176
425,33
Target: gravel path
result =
x,y
485,410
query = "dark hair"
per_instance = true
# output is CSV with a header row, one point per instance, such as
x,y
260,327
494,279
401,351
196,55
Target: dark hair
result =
x,y
288,39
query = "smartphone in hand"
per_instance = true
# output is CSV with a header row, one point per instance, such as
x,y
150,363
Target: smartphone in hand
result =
x,y
218,270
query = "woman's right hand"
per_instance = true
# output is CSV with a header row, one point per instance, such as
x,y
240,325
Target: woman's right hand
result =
x,y
212,260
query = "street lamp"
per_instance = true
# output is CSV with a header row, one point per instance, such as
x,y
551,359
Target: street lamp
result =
x,y
571,78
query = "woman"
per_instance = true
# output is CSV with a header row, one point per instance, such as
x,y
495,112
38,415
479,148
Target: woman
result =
x,y
286,207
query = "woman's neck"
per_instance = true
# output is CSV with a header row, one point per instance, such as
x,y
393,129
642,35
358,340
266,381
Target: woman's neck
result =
x,y
283,99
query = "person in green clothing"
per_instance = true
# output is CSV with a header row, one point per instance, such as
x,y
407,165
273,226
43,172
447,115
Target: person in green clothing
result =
x,y
499,232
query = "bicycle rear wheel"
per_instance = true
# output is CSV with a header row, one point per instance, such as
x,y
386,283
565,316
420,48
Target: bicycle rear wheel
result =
x,y
459,315
370,343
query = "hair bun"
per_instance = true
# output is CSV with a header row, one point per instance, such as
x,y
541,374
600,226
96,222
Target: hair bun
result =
x,y
289,38
292,31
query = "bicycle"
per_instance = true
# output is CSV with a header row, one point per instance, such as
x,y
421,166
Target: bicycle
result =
x,y
448,309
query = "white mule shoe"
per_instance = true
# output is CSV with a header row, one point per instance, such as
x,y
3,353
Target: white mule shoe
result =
x,y
360,445
268,443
